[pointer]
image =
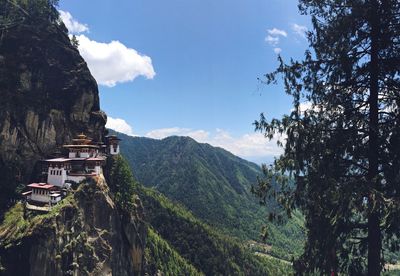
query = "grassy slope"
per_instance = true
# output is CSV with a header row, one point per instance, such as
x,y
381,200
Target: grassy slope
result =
x,y
213,184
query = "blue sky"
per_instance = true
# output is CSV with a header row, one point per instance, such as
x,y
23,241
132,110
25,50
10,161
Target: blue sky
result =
x,y
189,67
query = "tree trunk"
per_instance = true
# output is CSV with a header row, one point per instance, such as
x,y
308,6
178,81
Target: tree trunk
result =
x,y
374,232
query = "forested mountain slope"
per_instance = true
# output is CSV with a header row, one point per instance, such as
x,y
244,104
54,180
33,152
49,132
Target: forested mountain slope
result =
x,y
212,183
203,247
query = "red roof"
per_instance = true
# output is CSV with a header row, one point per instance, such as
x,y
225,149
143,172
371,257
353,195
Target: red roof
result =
x,y
41,186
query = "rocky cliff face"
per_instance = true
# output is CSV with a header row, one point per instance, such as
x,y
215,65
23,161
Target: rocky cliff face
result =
x,y
85,235
47,96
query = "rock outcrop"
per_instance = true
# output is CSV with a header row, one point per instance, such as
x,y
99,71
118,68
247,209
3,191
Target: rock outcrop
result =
x,y
85,235
47,96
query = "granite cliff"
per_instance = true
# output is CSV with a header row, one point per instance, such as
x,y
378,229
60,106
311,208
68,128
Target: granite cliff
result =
x,y
86,234
47,96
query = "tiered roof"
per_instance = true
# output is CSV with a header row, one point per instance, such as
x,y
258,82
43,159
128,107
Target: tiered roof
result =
x,y
82,141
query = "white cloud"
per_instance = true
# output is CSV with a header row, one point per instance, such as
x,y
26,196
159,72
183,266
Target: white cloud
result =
x,y
273,38
308,106
112,63
248,145
199,135
72,25
277,32
305,106
119,125
251,145
165,132
300,30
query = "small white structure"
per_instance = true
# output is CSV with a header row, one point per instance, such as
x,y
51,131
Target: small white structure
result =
x,y
94,165
43,193
113,145
58,169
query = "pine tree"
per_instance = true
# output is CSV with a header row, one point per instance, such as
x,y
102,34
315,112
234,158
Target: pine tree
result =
x,y
74,41
122,183
343,150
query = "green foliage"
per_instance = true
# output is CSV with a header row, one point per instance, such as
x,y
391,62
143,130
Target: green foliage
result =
x,y
16,11
121,182
213,184
74,41
343,151
18,224
391,273
205,248
160,256
8,185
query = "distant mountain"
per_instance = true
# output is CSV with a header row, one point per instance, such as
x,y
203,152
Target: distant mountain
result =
x,y
212,183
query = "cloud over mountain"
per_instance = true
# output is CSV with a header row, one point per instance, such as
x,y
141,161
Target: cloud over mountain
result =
x,y
110,63
73,26
113,62
119,125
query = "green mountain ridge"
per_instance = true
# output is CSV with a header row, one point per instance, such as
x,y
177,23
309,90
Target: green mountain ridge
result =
x,y
213,184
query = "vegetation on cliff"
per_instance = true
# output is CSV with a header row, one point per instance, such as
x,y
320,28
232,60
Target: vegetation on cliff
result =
x,y
19,223
16,11
76,237
121,182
